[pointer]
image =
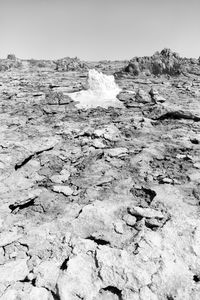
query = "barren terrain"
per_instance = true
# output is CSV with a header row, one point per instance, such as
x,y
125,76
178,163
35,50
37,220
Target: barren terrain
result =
x,y
99,204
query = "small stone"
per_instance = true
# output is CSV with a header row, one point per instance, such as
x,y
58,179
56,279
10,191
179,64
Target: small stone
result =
x,y
127,96
142,97
195,177
155,96
153,222
159,98
31,276
130,220
195,140
110,132
185,157
117,151
197,165
99,132
98,144
62,177
145,212
167,180
65,190
33,262
153,92
38,94
119,227
66,99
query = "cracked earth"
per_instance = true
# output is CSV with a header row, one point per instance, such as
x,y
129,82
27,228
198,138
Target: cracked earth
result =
x,y
99,204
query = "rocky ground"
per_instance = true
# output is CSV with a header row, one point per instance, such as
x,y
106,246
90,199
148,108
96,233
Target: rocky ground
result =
x,y
99,204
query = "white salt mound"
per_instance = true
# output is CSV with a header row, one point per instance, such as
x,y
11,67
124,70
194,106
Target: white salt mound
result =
x,y
102,92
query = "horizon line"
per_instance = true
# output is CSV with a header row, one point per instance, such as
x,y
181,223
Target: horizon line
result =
x,y
97,60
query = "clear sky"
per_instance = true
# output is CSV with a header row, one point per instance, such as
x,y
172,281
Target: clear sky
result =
x,y
98,29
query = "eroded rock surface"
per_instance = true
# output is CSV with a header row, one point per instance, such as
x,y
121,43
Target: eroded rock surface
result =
x,y
165,62
99,204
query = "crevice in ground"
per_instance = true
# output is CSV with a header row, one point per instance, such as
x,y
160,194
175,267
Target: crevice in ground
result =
x,y
112,290
98,241
16,207
178,115
64,265
28,158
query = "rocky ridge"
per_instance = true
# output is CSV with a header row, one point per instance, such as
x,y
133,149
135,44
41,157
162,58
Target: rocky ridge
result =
x,y
165,62
99,204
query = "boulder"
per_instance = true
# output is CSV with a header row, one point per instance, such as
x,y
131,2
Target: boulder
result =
x,y
156,97
15,270
164,62
142,97
65,190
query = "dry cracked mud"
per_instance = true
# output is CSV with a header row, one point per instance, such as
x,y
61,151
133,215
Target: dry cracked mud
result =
x,y
99,204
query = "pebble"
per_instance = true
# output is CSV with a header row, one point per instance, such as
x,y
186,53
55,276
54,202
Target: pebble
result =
x,y
167,180
65,190
145,212
119,227
130,220
117,151
62,177
197,165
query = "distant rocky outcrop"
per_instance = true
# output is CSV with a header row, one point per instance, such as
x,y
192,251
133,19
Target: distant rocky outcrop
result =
x,y
70,64
11,62
62,65
11,57
40,63
165,62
